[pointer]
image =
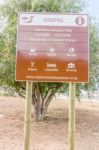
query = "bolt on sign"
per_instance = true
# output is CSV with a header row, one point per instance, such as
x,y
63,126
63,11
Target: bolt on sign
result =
x,y
52,47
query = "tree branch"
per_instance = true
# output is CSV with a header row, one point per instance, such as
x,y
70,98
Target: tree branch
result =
x,y
52,94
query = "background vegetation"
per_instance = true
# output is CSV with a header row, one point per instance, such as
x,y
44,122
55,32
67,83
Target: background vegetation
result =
x,y
42,92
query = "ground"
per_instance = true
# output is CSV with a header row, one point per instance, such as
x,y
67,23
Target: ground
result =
x,y
52,134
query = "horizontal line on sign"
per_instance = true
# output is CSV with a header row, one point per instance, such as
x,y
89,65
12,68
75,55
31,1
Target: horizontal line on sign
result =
x,y
40,51
56,52
42,71
20,30
50,41
52,80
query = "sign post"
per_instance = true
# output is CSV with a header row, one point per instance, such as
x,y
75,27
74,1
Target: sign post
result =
x,y
27,118
72,91
52,48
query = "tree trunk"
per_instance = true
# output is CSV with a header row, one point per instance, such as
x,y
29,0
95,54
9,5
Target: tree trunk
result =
x,y
40,102
39,113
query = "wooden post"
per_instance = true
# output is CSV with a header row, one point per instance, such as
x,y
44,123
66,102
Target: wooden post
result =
x,y
27,117
72,90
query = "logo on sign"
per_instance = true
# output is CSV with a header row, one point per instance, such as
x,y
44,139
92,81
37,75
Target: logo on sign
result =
x,y
80,20
71,66
51,65
32,64
27,19
33,52
71,50
51,52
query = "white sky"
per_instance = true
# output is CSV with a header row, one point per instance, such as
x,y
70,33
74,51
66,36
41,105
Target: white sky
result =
x,y
1,1
93,8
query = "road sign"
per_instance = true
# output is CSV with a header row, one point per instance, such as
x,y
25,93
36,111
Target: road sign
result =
x,y
52,47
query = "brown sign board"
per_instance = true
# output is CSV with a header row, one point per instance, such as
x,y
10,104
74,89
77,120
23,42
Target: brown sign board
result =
x,y
52,47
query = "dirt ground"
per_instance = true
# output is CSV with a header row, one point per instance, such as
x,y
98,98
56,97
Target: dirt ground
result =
x,y
52,134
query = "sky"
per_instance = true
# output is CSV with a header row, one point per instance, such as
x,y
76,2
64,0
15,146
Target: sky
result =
x,y
1,1
93,8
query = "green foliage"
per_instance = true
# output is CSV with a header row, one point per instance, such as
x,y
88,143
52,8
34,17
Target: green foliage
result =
x,y
93,61
9,12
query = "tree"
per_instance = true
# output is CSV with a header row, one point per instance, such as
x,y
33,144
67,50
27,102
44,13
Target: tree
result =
x,y
94,59
42,92
90,87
